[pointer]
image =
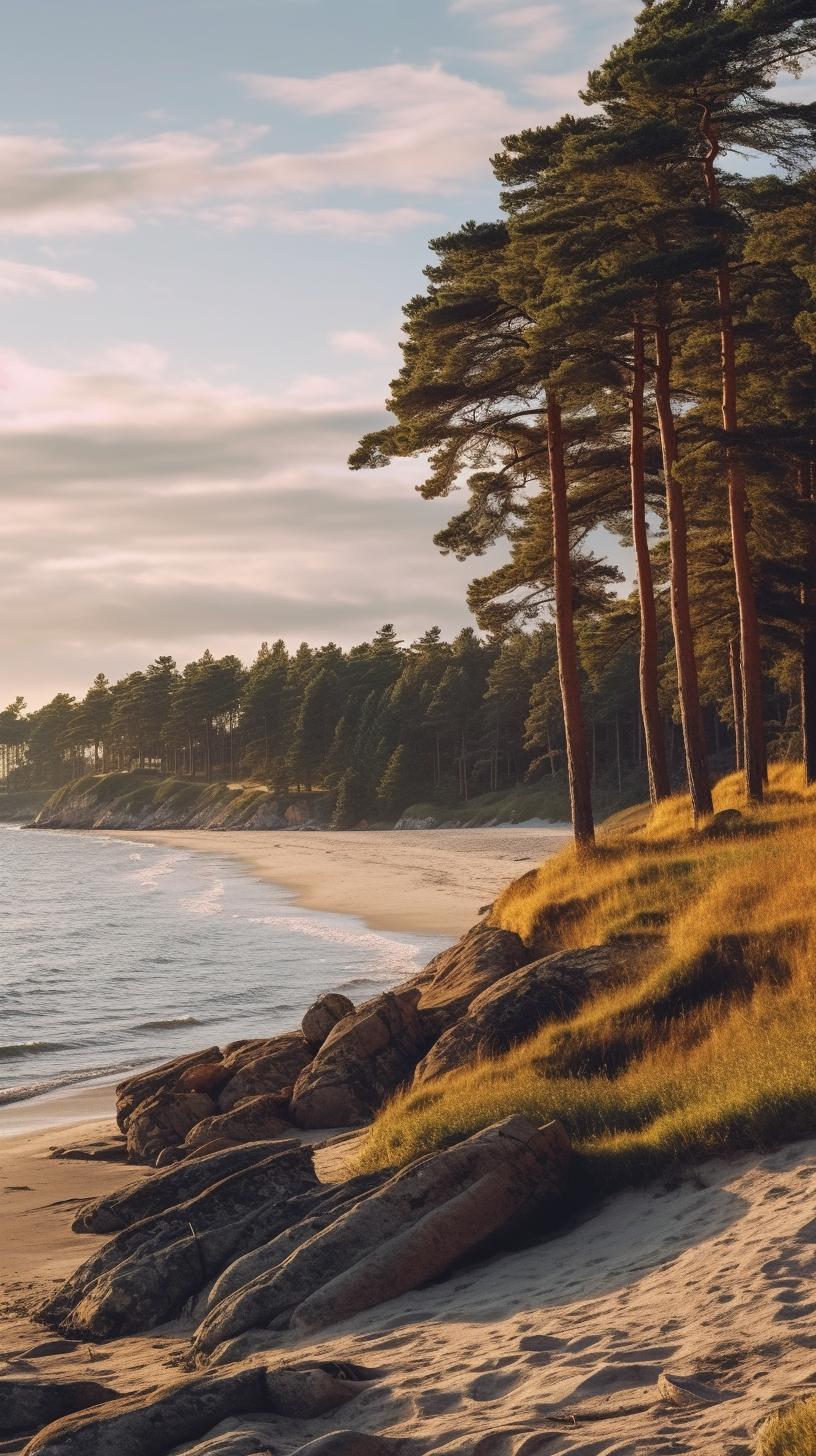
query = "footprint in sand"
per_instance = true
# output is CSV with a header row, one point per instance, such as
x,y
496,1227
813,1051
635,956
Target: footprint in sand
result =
x,y
493,1385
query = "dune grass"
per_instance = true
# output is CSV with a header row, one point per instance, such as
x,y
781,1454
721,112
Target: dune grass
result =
x,y
791,1432
709,1042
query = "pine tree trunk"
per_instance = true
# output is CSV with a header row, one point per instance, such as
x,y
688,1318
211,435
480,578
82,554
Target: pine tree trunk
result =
x,y
659,783
736,698
583,826
690,711
754,735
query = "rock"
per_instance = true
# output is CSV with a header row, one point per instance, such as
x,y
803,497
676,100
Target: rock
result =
x,y
279,1065
458,975
104,1150
324,1015
168,1157
338,1198
363,1060
682,1390
164,1121
26,1405
156,1194
412,1229
147,1273
350,1443
257,1119
516,1006
503,1199
206,1077
146,1084
151,1424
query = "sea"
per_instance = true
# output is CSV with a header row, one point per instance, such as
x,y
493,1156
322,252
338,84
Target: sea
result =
x,y
117,954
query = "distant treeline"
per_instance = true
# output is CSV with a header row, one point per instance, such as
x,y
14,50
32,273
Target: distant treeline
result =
x,y
382,726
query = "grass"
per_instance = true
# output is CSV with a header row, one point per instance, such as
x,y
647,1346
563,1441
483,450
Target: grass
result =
x,y
709,1043
791,1432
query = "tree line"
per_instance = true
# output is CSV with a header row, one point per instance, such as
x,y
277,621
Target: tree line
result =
x,y
636,336
379,727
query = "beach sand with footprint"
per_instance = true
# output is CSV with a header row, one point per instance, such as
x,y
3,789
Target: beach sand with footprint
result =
x,y
558,1347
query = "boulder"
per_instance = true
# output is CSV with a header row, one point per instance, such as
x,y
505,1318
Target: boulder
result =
x,y
412,1229
323,1016
363,1060
164,1121
458,975
153,1423
251,1121
276,1066
146,1084
26,1405
516,1006
205,1077
500,1202
337,1199
147,1273
156,1194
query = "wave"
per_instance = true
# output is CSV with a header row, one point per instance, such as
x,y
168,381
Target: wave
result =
x,y
28,1090
169,1024
16,1049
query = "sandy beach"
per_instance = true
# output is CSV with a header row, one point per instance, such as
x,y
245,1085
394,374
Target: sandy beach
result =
x,y
435,880
558,1347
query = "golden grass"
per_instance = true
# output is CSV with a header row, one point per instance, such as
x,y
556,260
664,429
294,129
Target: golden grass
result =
x,y
790,1433
710,1042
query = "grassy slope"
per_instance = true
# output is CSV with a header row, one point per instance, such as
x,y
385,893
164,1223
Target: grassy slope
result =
x,y
791,1433
711,1042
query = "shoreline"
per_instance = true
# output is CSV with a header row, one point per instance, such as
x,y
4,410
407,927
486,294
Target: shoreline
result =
x,y
437,881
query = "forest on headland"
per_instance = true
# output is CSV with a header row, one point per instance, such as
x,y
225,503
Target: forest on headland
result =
x,y
629,349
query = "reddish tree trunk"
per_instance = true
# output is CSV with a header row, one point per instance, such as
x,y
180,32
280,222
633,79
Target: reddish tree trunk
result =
x,y
736,698
659,783
753,731
583,826
690,711
808,666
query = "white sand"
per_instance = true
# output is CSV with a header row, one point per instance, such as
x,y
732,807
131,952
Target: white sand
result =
x,y
558,1347
435,880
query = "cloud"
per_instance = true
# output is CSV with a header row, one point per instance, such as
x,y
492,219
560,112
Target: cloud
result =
x,y
31,278
527,32
411,130
144,512
352,341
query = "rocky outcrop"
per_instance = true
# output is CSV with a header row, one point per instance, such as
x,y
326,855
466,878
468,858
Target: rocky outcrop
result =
x,y
28,1404
153,1423
515,1007
256,1119
164,1121
263,1068
457,976
418,1225
147,1273
164,1078
365,1058
165,1190
142,800
323,1016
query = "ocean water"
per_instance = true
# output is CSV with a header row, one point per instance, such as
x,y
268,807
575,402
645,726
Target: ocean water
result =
x,y
116,954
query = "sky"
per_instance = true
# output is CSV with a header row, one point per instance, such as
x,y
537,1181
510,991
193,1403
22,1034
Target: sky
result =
x,y
211,213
